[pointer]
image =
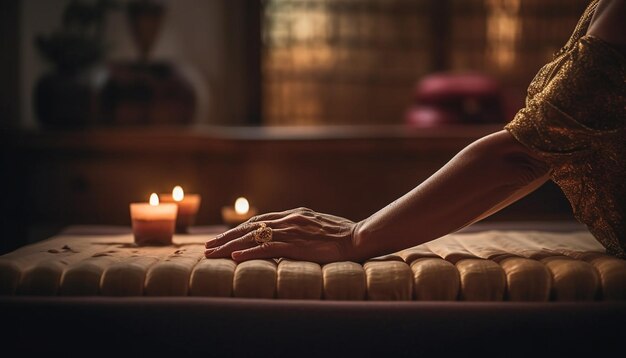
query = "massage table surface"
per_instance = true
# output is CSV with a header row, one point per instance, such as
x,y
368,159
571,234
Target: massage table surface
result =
x,y
473,265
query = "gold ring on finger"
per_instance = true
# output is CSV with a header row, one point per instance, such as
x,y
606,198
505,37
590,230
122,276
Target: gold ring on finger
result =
x,y
262,234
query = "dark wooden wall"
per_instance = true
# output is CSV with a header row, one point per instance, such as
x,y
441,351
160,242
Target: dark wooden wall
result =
x,y
9,63
90,177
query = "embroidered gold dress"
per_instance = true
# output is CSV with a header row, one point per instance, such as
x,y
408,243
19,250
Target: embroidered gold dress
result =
x,y
575,118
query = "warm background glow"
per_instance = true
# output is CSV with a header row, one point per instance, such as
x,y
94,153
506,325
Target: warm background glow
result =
x,y
356,62
154,199
241,206
178,194
503,30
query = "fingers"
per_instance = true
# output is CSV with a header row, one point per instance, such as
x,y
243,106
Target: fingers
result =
x,y
231,234
244,242
265,251
268,216
280,215
277,218
240,243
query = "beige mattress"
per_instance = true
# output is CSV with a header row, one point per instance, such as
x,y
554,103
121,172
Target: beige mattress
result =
x,y
491,265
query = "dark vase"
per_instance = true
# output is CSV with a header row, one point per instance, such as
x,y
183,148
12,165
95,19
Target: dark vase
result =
x,y
69,99
139,94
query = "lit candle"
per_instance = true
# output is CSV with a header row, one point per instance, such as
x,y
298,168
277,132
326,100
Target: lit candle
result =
x,y
241,212
188,205
153,223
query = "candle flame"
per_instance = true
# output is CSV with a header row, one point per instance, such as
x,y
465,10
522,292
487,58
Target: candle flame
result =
x,y
178,194
241,206
154,199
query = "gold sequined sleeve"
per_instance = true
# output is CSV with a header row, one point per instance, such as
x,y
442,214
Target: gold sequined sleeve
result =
x,y
573,102
575,118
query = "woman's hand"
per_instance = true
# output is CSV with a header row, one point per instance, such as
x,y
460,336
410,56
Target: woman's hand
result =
x,y
298,234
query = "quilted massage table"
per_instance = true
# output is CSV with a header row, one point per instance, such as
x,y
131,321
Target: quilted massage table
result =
x,y
485,282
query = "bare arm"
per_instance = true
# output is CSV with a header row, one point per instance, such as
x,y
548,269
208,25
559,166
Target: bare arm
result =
x,y
482,179
486,176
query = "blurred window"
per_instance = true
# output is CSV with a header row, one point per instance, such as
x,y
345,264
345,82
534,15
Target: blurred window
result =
x,y
357,61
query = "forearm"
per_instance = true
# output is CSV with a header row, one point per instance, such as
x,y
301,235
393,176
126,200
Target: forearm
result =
x,y
483,178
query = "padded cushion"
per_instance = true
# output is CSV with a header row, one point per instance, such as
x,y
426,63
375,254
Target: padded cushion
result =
x,y
127,277
474,266
299,280
213,278
481,280
255,279
573,280
526,279
435,279
83,278
344,281
612,273
388,281
170,277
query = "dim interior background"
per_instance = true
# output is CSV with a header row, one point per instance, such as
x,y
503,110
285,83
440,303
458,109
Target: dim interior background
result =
x,y
341,105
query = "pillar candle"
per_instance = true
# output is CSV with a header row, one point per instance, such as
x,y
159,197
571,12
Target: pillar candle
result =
x,y
188,205
153,223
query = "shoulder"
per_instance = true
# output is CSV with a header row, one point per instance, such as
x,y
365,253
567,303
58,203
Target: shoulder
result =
x,y
608,22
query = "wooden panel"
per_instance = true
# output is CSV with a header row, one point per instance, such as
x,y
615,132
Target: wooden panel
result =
x,y
90,177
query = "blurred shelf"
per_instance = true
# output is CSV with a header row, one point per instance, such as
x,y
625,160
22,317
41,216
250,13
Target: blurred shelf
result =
x,y
218,138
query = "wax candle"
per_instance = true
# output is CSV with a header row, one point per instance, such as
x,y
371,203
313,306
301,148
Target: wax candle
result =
x,y
153,223
241,212
188,205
